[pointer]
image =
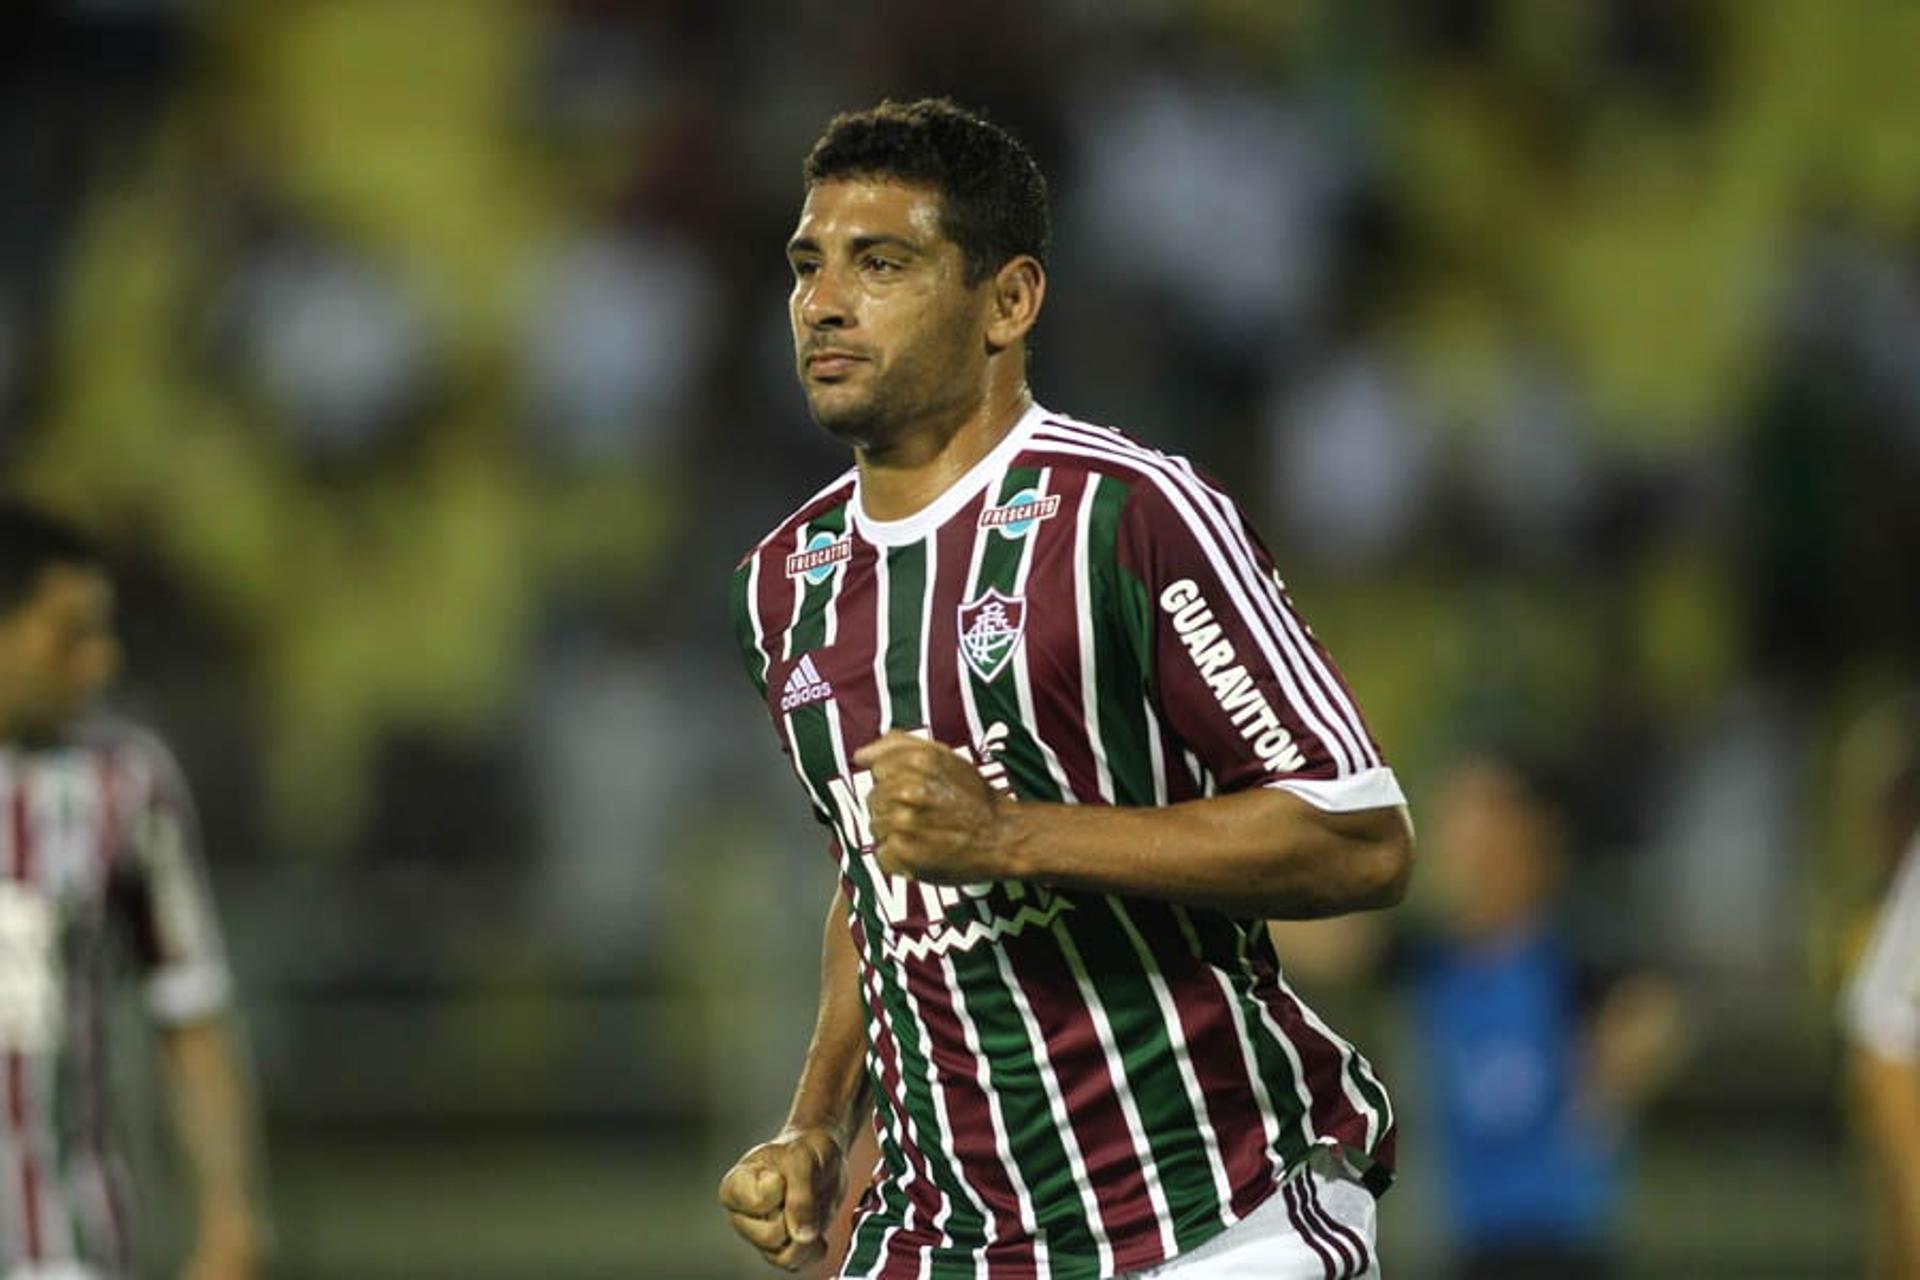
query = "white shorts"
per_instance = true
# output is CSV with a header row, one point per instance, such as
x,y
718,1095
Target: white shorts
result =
x,y
1318,1226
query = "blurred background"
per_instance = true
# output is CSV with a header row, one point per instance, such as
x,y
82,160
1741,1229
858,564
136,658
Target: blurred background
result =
x,y
424,363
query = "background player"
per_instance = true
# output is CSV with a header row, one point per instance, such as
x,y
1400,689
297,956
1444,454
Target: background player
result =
x,y
1881,1011
1084,1060
98,859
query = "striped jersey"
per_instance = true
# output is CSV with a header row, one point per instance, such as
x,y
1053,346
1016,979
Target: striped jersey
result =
x,y
99,872
1882,1006
1067,1084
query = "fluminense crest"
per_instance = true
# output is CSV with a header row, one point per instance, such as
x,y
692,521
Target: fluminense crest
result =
x,y
990,627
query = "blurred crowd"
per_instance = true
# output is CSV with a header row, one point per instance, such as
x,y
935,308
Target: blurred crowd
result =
x,y
426,364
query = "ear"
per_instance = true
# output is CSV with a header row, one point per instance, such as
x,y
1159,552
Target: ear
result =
x,y
1017,291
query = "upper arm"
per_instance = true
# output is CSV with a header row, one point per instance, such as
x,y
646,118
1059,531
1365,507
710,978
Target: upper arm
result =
x,y
1887,1091
164,886
757,642
1231,667
746,630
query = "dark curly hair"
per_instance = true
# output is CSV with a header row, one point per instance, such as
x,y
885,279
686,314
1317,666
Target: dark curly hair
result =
x,y
993,195
31,542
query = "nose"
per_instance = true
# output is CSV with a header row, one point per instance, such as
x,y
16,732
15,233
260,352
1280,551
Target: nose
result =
x,y
823,300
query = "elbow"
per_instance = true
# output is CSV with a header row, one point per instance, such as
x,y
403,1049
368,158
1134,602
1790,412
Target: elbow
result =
x,y
1387,865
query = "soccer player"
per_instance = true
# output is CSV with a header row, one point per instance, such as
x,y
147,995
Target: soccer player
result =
x,y
1046,690
1883,1024
1881,1010
98,863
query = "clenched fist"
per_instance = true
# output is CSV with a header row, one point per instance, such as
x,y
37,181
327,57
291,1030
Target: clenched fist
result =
x,y
934,816
781,1195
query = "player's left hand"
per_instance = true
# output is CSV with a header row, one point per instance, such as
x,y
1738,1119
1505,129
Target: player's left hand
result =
x,y
934,816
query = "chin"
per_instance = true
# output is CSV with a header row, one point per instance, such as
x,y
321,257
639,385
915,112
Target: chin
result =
x,y
857,423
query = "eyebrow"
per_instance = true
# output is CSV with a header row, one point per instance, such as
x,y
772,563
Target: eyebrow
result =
x,y
807,244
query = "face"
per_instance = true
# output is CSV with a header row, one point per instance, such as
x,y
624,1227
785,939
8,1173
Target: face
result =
x,y
57,651
1496,850
886,331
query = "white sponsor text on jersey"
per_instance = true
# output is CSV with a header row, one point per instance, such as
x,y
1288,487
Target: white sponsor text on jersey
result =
x,y
1026,510
1022,906
1233,687
822,553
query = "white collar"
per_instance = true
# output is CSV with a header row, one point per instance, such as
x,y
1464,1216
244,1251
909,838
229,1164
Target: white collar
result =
x,y
898,533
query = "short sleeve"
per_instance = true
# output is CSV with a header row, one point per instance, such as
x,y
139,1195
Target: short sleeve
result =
x,y
176,932
757,658
740,607
1233,670
1882,1006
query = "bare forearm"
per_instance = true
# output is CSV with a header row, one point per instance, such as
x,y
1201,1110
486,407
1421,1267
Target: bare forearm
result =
x,y
833,1082
1889,1094
1260,853
781,1195
213,1115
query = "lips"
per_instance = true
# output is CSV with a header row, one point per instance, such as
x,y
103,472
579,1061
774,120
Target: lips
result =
x,y
832,364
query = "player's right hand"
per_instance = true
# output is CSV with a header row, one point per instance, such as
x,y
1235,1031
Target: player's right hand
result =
x,y
781,1195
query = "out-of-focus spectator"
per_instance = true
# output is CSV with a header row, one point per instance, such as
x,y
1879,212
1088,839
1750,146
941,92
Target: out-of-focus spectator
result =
x,y
1210,188
1538,1061
1352,459
331,343
618,334
1534,1055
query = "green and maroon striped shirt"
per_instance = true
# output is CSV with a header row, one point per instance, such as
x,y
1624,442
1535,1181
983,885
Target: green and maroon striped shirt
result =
x,y
1067,1084
99,865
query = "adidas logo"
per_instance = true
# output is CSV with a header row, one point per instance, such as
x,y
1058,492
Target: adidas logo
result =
x,y
804,685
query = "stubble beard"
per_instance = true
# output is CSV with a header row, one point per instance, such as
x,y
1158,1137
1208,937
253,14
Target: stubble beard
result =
x,y
915,388
864,422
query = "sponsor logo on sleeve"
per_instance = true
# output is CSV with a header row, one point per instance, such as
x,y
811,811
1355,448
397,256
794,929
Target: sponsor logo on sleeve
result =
x,y
1227,677
823,551
805,686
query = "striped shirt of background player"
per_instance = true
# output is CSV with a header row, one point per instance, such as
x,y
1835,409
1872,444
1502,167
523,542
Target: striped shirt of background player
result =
x,y
1883,1004
1132,1176
98,836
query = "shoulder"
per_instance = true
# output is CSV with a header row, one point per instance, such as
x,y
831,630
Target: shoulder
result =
x,y
131,748
109,734
1152,479
836,493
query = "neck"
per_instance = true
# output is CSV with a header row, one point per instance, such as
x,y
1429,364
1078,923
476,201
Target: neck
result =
x,y
20,730
926,459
